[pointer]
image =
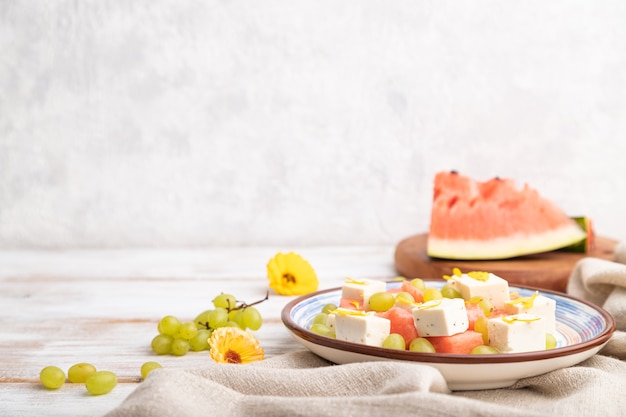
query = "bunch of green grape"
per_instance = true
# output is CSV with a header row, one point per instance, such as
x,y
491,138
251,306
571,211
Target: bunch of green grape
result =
x,y
178,337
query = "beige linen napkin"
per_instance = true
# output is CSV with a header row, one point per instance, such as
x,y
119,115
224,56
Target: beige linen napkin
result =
x,y
302,384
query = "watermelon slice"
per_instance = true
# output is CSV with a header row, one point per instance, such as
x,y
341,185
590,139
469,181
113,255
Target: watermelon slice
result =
x,y
473,220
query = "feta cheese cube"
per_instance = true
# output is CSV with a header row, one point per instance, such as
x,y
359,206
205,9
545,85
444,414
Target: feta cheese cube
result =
x,y
361,327
483,284
536,304
362,290
517,333
444,317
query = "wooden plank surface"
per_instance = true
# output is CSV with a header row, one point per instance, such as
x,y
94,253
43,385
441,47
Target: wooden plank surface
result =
x,y
61,308
549,270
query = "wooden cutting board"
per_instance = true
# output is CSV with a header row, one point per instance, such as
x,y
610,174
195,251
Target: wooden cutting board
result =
x,y
549,270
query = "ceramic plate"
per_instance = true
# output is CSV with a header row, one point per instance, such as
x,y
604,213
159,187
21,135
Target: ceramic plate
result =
x,y
582,330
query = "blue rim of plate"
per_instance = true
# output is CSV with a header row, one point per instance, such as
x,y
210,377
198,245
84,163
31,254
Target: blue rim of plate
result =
x,y
580,326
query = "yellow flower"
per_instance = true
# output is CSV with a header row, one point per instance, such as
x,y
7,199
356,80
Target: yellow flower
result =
x,y
290,274
233,345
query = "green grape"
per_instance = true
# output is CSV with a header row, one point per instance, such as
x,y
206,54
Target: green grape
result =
x,y
52,377
80,372
407,297
480,326
227,301
323,330
200,341
101,382
550,341
251,318
162,344
432,293
202,320
187,330
487,306
420,344
148,367
418,283
381,301
484,350
320,318
218,317
234,324
328,308
449,292
236,317
169,325
394,341
180,347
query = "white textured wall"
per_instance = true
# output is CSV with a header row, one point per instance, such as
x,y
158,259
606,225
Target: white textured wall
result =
x,y
143,123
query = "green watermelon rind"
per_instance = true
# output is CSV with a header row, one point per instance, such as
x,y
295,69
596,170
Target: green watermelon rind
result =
x,y
584,245
505,247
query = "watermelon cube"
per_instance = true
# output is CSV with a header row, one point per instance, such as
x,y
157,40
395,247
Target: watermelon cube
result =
x,y
474,312
460,343
350,304
401,323
417,294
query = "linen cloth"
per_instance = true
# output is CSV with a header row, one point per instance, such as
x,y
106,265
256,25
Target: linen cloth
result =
x,y
303,384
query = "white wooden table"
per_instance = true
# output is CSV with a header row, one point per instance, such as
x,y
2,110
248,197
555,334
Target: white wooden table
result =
x,y
102,307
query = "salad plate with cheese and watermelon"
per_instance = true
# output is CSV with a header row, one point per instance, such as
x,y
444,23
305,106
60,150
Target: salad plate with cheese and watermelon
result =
x,y
479,331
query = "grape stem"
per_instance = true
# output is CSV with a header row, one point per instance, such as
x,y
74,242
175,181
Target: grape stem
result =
x,y
243,304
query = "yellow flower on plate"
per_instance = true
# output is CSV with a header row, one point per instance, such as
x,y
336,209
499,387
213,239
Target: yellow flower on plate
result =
x,y
234,345
290,274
